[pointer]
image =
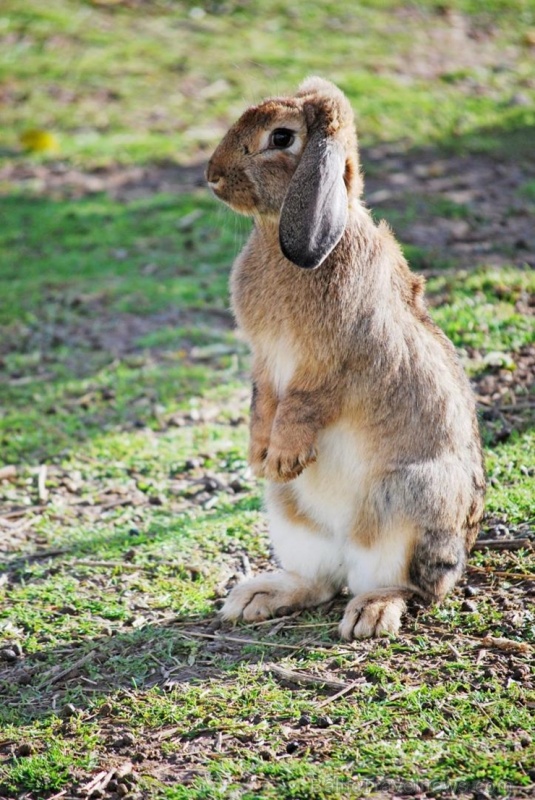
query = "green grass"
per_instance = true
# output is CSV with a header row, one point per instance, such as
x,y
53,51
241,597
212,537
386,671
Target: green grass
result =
x,y
125,84
169,397
121,374
482,308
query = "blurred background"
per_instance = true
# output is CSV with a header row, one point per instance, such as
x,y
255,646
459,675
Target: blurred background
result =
x,y
139,81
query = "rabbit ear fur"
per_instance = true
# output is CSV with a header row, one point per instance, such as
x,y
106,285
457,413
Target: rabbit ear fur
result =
x,y
314,213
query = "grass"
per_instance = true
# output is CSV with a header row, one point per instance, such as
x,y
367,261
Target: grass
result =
x,y
121,84
123,408
134,582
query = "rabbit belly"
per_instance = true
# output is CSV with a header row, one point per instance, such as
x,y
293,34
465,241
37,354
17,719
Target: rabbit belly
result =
x,y
333,493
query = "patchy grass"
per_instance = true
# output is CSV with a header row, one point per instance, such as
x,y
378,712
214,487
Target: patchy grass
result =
x,y
128,384
121,83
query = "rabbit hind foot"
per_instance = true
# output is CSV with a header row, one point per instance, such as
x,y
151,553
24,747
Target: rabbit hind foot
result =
x,y
274,594
373,614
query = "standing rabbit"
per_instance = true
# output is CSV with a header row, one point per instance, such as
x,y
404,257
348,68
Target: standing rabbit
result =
x,y
362,420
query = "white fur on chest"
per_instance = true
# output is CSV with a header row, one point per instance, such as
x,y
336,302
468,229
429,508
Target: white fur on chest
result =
x,y
332,490
280,358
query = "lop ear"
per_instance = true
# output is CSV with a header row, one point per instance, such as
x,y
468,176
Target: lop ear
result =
x,y
314,212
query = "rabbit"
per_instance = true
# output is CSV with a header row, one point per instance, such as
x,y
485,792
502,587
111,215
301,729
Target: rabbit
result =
x,y
363,422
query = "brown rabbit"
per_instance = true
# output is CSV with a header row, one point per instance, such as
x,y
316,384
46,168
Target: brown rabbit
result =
x,y
362,420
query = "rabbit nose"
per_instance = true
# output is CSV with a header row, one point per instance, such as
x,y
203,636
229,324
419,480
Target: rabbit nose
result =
x,y
213,176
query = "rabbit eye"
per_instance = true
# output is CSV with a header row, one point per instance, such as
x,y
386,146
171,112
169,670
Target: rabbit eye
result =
x,y
281,138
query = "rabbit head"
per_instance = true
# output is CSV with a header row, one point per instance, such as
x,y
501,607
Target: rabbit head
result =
x,y
295,160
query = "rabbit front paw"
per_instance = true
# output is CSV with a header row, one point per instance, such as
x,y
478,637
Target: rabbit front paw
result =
x,y
286,463
258,450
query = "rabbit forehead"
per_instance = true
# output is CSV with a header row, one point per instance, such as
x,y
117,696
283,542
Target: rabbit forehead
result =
x,y
270,114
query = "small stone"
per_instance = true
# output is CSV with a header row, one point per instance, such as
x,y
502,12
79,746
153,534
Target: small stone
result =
x,y
122,789
124,770
468,607
134,532
24,679
519,99
126,740
8,655
25,749
291,747
303,721
324,722
211,484
67,711
470,591
525,740
410,788
387,785
522,672
68,610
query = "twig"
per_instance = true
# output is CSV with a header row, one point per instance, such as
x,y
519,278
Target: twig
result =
x,y
42,491
64,672
101,781
454,651
26,379
20,512
111,564
167,733
8,472
35,557
522,406
95,783
507,645
272,620
238,640
282,623
519,576
246,564
347,688
125,501
305,678
502,544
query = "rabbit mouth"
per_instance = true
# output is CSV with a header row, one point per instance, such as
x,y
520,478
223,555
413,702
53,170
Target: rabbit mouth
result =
x,y
241,205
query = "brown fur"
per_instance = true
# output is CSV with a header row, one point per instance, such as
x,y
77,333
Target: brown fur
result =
x,y
368,351
287,501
